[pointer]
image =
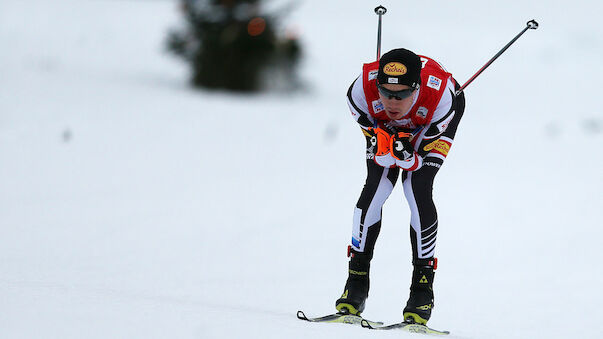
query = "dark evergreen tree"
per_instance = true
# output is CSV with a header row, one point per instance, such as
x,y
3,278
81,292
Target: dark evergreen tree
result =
x,y
231,45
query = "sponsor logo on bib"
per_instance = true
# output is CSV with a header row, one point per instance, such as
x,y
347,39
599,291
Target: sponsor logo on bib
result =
x,y
434,82
373,74
377,106
422,112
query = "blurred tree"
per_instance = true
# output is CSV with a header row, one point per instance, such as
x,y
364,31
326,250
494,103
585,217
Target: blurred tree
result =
x,y
230,45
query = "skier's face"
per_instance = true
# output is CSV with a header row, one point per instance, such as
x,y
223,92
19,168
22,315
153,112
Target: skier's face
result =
x,y
394,107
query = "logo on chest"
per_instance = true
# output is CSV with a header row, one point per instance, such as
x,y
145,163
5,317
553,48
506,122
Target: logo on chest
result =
x,y
422,112
373,74
434,82
377,106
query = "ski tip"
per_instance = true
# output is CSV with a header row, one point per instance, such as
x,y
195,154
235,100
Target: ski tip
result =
x,y
301,315
364,323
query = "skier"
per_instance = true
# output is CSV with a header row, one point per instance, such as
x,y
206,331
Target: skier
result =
x,y
408,111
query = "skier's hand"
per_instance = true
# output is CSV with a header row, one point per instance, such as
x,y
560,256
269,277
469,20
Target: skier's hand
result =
x,y
401,147
380,140
379,148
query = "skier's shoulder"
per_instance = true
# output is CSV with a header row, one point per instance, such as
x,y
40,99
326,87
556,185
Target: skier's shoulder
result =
x,y
356,92
369,74
434,99
357,102
431,65
433,75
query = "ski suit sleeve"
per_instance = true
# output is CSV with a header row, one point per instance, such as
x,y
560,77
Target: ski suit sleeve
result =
x,y
358,105
442,116
433,131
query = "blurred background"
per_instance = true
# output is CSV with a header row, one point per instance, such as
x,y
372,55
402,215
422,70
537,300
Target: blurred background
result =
x,y
233,45
189,169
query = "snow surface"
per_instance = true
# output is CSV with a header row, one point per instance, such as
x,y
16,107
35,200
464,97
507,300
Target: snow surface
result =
x,y
132,206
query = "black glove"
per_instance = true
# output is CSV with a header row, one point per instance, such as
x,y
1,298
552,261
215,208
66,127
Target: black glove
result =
x,y
401,147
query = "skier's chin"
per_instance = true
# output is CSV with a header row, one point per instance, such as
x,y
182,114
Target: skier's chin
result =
x,y
394,115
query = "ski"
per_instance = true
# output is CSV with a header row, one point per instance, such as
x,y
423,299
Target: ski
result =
x,y
405,326
342,318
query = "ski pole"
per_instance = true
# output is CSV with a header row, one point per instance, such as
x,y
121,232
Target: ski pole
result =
x,y
379,11
532,24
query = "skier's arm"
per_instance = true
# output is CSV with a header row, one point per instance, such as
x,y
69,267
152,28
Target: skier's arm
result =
x,y
425,138
439,123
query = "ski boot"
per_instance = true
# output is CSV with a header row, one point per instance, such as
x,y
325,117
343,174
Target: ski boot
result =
x,y
420,302
357,286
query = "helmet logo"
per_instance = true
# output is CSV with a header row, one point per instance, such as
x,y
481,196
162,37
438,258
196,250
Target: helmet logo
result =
x,y
394,68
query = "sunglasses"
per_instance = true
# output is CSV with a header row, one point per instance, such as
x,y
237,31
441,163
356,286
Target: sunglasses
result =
x,y
398,95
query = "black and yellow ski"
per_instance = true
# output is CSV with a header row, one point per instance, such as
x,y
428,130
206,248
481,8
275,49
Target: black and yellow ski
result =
x,y
342,318
405,326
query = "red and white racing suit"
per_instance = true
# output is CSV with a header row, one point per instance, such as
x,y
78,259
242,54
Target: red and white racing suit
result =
x,y
433,119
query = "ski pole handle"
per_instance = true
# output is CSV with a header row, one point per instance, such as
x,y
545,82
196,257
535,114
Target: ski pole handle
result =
x,y
532,24
380,10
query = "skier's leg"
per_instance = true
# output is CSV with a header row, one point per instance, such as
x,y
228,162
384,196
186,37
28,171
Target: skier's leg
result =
x,y
423,233
418,187
367,213
366,227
